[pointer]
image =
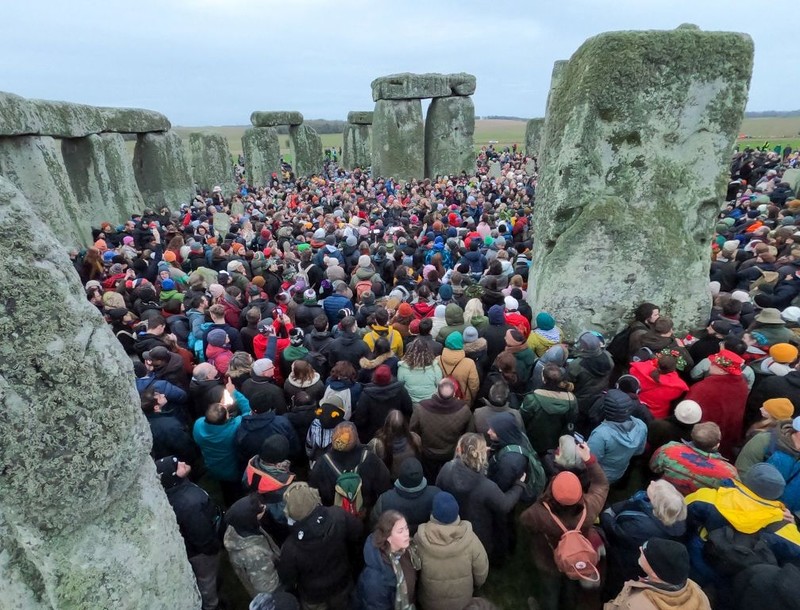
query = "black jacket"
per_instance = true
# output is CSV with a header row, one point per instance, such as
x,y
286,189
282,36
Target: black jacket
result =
x,y
774,386
767,587
349,347
315,555
170,437
203,394
414,504
304,316
374,405
375,477
198,518
262,391
255,428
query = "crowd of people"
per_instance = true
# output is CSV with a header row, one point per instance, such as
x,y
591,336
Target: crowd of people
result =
x,y
353,371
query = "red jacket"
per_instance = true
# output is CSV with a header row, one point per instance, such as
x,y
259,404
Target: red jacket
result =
x,y
658,396
723,399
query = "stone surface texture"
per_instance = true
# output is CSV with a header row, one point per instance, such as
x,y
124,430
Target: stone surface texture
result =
x,y
398,139
449,136
35,165
360,117
161,171
273,118
356,146
307,149
559,68
408,86
212,164
533,136
133,120
84,522
639,136
792,176
262,154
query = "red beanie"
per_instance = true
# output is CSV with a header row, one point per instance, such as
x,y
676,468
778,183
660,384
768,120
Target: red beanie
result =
x,y
405,310
383,375
566,488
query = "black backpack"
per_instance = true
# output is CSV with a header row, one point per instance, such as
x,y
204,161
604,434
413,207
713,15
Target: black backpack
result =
x,y
618,346
729,552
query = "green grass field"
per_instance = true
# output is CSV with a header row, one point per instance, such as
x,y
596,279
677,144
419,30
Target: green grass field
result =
x,y
784,131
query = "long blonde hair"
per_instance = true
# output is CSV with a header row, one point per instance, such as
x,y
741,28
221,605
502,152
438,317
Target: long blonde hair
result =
x,y
471,450
473,308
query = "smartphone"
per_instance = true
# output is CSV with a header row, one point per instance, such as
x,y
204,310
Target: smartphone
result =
x,y
578,438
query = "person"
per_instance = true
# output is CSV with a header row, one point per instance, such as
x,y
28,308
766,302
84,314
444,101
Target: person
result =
x,y
342,384
550,411
170,435
767,587
303,378
440,421
199,520
251,551
455,365
394,442
676,427
347,345
260,424
666,583
620,437
262,387
411,496
523,356
510,451
377,400
320,433
269,474
656,512
389,578
772,411
314,558
695,464
495,402
381,329
557,355
544,335
495,332
453,562
661,385
565,499
481,501
419,371
590,373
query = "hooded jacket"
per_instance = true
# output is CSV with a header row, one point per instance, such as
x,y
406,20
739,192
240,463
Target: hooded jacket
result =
x,y
375,477
495,333
377,584
658,396
440,423
557,354
264,391
454,564
642,595
414,503
197,517
591,375
347,346
484,413
614,443
547,415
454,318
251,552
394,336
374,405
505,467
257,427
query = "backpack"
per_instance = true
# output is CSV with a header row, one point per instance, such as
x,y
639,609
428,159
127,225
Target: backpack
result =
x,y
618,346
729,552
362,287
535,479
318,361
456,386
198,346
574,555
347,492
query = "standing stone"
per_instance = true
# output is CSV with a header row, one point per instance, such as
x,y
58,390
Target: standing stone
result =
x,y
84,522
102,178
212,164
222,223
533,137
356,147
398,139
161,171
638,139
274,118
792,176
307,147
449,136
34,165
360,117
559,68
262,154
495,169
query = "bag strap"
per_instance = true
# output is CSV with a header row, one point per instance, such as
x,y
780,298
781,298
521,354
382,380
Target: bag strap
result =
x,y
560,524
332,465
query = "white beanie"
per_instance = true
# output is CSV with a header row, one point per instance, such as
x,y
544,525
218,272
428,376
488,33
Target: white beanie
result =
x,y
688,412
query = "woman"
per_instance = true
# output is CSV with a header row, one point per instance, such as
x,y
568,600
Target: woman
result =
x,y
657,512
239,368
419,371
389,578
303,378
481,501
545,335
565,458
251,551
394,443
455,364
342,383
557,355
381,354
660,382
474,316
550,411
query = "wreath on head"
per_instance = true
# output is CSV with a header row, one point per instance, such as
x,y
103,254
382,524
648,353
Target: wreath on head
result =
x,y
680,361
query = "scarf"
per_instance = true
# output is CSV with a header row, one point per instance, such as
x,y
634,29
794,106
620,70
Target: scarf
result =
x,y
553,335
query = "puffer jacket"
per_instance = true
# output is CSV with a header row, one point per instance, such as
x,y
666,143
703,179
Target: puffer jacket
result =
x,y
374,405
454,318
421,383
547,415
454,564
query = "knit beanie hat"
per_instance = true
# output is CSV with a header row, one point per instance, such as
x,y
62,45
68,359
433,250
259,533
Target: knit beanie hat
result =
x,y
470,334
167,469
413,328
345,437
617,406
688,412
496,315
445,292
454,341
310,297
765,481
217,337
382,375
410,476
274,449
566,488
296,336
445,508
544,321
779,408
783,353
668,559
169,256
301,500
514,337
364,261
405,310
167,284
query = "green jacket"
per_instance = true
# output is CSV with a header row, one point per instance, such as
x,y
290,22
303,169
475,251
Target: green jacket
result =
x,y
253,559
420,384
547,415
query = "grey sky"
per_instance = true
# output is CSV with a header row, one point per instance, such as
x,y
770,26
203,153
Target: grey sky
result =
x,y
212,62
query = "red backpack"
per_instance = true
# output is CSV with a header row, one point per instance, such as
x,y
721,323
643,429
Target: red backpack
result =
x,y
574,555
456,387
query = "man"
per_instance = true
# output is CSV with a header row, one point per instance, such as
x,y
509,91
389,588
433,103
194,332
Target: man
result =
x,y
339,300
709,343
205,388
380,328
217,313
347,345
166,366
249,330
690,466
261,389
152,337
260,425
198,520
666,583
170,436
411,496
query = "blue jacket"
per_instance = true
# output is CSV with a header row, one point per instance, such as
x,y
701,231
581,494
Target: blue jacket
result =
x,y
377,583
615,443
789,467
218,444
333,304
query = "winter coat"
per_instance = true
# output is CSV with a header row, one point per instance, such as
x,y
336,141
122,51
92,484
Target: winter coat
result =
x,y
480,501
454,363
314,556
483,414
641,595
220,357
217,443
393,335
615,443
454,318
542,340
722,399
440,423
366,366
689,468
767,587
313,387
377,583
375,478
495,335
304,316
170,437
333,304
787,386
258,427
454,564
658,395
557,355
374,405
415,503
349,347
477,352
253,560
590,375
547,415
422,383
263,391
197,516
